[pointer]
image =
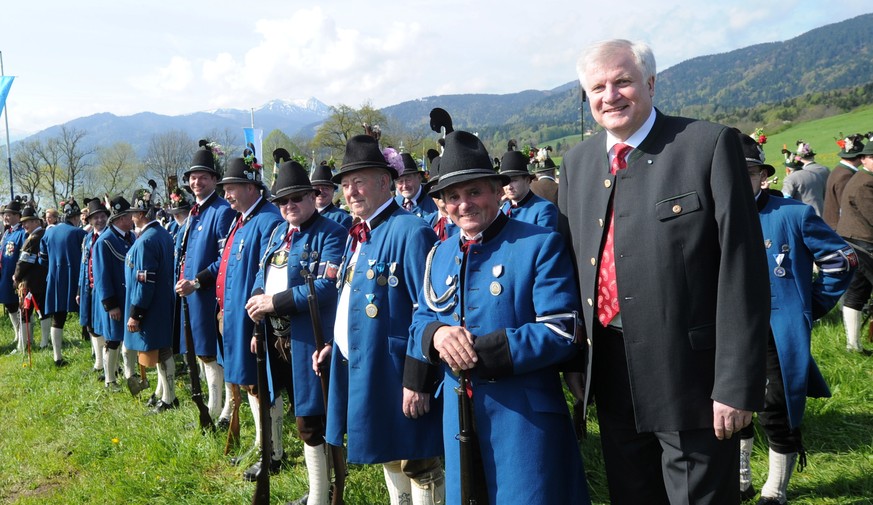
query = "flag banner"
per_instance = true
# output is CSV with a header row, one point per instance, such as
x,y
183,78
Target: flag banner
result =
x,y
5,84
254,140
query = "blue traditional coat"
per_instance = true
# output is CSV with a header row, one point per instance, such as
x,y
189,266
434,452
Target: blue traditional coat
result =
x,y
60,251
516,294
206,231
317,247
366,393
423,207
87,306
149,281
173,228
535,210
795,238
248,247
108,261
337,214
13,241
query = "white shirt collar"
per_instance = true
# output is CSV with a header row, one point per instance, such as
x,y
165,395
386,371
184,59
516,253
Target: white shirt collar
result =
x,y
638,136
200,202
250,209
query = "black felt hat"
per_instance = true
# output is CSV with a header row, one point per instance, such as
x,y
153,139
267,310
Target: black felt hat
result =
x,y
281,154
70,208
28,214
179,201
203,161
409,165
243,171
322,175
118,207
867,151
514,163
851,146
291,179
13,207
754,154
362,151
95,206
546,166
464,159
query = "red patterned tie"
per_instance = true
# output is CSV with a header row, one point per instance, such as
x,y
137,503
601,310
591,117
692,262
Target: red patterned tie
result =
x,y
360,233
288,235
407,204
195,209
222,267
440,228
607,289
465,245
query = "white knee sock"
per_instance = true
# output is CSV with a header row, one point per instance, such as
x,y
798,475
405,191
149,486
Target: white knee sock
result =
x,y
215,385
129,359
781,467
852,320
45,327
399,485
110,361
167,372
316,467
256,412
57,342
97,343
227,410
16,325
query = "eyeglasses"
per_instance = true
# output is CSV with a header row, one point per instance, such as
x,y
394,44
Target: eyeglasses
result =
x,y
293,199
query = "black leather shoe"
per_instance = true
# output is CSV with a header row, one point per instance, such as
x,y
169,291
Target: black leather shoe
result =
x,y
748,494
112,387
222,424
61,362
162,406
252,472
153,400
766,500
303,500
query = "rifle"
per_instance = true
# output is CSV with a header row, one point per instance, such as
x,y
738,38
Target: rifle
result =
x,y
22,314
466,439
336,460
233,429
194,370
262,486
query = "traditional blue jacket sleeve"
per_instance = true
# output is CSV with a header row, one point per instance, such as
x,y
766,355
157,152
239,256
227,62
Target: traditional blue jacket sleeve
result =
x,y
836,262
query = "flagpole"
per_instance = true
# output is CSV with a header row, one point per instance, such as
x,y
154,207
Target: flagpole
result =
x,y
8,150
253,116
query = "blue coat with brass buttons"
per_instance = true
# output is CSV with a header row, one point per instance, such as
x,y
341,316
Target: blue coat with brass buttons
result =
x,y
338,215
423,208
205,233
87,306
249,244
317,246
516,294
13,241
109,286
60,251
795,239
149,281
366,388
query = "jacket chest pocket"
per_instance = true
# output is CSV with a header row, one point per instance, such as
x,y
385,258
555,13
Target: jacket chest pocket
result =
x,y
675,206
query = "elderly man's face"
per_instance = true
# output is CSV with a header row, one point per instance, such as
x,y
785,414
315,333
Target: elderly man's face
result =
x,y
620,96
408,185
324,194
472,205
366,190
297,208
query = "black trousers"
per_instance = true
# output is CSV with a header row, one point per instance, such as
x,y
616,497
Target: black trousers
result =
x,y
859,289
774,418
678,467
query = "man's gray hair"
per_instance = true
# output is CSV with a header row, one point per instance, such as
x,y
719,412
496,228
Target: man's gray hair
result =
x,y
608,49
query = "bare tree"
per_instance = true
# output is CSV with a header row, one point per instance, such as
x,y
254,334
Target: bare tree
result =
x,y
169,154
74,156
115,172
50,154
28,174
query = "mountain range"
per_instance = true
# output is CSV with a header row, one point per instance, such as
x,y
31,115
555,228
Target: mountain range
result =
x,y
832,57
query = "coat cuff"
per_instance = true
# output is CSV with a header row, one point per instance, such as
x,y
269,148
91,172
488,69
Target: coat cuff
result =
x,y
283,303
427,348
110,303
257,291
137,313
495,360
206,279
420,376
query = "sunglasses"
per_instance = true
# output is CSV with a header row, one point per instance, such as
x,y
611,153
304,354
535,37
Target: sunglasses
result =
x,y
284,200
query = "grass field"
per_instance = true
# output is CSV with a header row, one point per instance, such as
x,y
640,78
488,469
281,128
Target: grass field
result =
x,y
64,440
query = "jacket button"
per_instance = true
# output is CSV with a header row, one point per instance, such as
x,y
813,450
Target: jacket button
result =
x,y
677,209
607,183
600,222
590,302
593,261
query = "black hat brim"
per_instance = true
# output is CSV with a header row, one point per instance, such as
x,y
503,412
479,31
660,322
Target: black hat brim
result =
x,y
357,166
459,176
291,190
768,168
515,173
240,180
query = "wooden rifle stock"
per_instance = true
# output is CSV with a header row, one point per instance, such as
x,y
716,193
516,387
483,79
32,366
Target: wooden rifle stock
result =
x,y
262,486
233,428
336,461
194,370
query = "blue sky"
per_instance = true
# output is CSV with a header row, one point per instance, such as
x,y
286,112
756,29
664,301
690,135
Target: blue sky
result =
x,y
77,58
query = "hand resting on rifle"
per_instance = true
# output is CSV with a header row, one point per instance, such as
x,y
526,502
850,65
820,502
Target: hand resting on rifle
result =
x,y
259,306
455,345
321,359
